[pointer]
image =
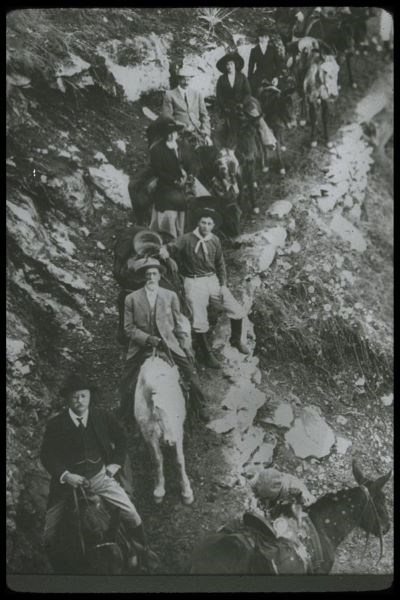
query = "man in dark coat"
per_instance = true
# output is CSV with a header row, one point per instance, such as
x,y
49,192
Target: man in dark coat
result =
x,y
84,446
264,61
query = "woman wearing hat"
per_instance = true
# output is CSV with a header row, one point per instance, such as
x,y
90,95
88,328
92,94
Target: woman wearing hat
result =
x,y
232,90
170,198
264,60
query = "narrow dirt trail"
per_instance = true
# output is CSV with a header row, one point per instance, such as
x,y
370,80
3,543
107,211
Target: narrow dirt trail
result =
x,y
238,438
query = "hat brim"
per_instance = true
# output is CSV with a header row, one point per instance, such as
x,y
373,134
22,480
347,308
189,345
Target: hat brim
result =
x,y
236,58
140,273
200,212
65,392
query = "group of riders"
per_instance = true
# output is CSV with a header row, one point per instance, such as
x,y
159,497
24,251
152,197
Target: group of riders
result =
x,y
170,272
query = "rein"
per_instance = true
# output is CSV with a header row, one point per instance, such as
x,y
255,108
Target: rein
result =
x,y
370,502
76,502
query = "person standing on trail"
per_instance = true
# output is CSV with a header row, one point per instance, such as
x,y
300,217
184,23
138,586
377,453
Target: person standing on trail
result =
x,y
187,107
84,446
203,268
153,320
264,61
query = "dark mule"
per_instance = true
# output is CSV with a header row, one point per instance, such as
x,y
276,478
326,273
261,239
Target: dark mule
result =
x,y
251,545
278,110
92,539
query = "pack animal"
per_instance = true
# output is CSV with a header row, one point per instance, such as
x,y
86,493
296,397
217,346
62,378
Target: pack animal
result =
x,y
278,110
93,539
160,413
316,75
252,546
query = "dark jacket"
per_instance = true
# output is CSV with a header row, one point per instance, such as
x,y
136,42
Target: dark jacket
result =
x,y
227,96
60,447
268,65
169,194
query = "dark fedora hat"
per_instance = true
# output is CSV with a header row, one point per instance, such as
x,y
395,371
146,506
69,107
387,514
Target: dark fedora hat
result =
x,y
235,57
206,206
265,28
164,125
74,382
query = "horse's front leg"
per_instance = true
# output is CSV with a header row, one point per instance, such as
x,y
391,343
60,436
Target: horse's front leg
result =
x,y
313,122
349,70
280,148
251,183
303,110
186,488
159,488
325,122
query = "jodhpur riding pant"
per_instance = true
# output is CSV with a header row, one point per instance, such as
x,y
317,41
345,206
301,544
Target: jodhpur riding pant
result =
x,y
202,291
106,487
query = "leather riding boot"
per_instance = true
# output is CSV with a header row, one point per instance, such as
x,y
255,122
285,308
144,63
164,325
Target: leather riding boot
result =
x,y
148,555
236,335
207,356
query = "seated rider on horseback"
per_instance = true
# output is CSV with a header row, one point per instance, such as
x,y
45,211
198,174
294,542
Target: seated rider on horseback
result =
x,y
84,446
153,320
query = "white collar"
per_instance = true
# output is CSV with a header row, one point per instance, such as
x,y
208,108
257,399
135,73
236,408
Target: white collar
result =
x,y
183,91
202,241
263,46
75,417
231,77
151,292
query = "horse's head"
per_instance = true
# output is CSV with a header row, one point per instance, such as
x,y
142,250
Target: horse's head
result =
x,y
328,75
374,517
227,164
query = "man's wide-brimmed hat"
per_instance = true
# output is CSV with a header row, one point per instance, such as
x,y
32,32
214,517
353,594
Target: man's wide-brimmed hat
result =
x,y
186,72
235,57
74,382
164,125
146,242
206,206
268,484
142,264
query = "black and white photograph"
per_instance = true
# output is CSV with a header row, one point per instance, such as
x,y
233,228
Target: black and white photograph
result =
x,y
199,297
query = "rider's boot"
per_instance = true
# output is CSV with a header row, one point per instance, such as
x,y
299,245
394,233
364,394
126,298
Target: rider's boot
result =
x,y
148,555
236,336
206,354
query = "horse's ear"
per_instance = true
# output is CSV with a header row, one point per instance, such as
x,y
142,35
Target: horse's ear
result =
x,y
381,481
358,476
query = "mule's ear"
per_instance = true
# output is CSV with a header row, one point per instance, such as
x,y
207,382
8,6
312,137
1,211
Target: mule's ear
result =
x,y
358,476
381,481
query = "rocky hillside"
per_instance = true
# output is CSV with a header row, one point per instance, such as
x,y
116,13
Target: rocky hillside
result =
x,y
76,83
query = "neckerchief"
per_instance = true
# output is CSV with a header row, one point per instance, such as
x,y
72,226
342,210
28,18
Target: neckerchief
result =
x,y
202,241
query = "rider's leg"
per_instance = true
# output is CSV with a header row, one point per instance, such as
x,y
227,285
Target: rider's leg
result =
x,y
191,380
128,384
51,541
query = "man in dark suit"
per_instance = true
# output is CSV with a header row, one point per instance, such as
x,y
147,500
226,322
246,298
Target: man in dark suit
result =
x,y
153,320
264,61
84,446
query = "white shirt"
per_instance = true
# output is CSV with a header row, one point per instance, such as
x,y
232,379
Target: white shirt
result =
x,y
75,417
151,295
263,47
183,93
231,77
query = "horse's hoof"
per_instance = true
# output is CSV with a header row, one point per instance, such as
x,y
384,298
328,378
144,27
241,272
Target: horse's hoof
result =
x,y
256,210
282,172
255,185
354,86
379,48
330,144
339,87
188,499
283,148
265,169
302,123
313,144
357,53
158,499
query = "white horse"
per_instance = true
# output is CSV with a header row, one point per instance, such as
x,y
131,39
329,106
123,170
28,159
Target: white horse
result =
x,y
160,412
